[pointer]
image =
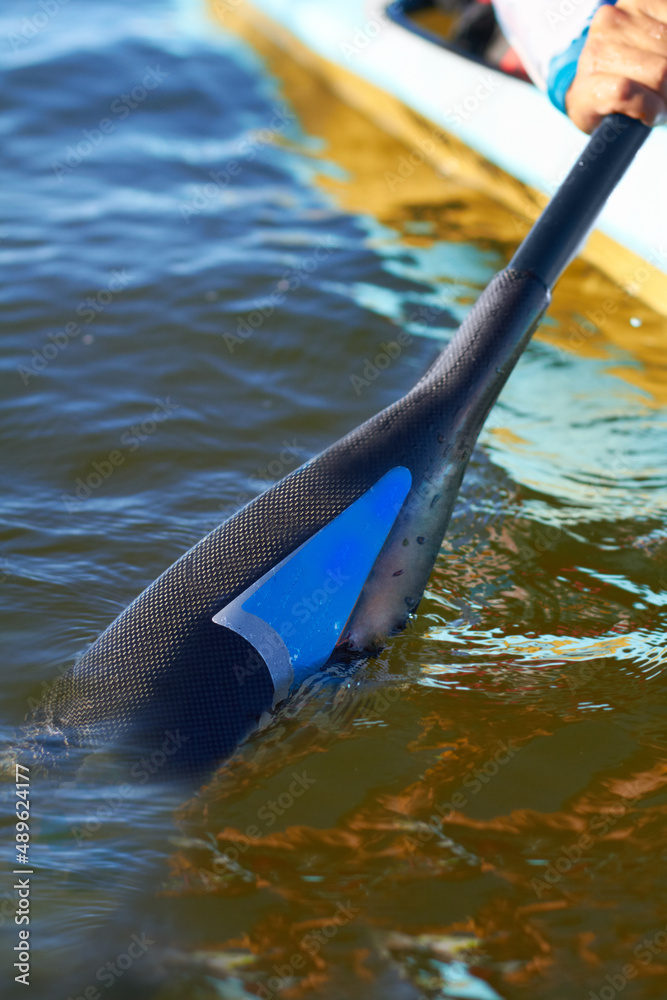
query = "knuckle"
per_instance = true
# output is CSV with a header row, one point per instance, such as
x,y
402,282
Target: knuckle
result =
x,y
606,18
624,89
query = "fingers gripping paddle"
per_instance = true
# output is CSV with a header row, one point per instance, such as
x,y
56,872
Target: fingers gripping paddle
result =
x,y
338,553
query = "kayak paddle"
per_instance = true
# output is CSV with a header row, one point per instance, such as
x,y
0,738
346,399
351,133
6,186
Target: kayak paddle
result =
x,y
336,555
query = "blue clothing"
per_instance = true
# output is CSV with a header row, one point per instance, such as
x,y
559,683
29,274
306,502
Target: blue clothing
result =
x,y
548,35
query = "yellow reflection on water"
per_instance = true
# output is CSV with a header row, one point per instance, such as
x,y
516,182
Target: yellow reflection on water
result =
x,y
593,315
502,810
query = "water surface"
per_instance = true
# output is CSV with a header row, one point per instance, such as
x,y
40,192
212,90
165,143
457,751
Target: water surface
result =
x,y
478,812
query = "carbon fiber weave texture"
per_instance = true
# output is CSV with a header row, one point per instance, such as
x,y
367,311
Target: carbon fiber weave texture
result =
x,y
164,665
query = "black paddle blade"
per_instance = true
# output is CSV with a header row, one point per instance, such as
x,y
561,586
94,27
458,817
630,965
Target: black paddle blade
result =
x,y
335,555
338,552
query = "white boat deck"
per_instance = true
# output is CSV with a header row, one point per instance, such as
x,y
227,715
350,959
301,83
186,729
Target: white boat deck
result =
x,y
507,121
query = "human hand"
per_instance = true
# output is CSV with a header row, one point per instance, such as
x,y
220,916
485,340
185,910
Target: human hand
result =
x,y
623,65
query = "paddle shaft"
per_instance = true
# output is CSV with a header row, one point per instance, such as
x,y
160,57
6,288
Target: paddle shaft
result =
x,y
464,382
565,222
567,219
226,631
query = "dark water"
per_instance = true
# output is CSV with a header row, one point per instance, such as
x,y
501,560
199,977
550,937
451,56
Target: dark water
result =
x,y
479,812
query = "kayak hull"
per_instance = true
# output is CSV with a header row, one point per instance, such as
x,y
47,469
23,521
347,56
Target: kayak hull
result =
x,y
476,125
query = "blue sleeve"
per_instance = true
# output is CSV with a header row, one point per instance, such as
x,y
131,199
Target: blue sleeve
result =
x,y
563,68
